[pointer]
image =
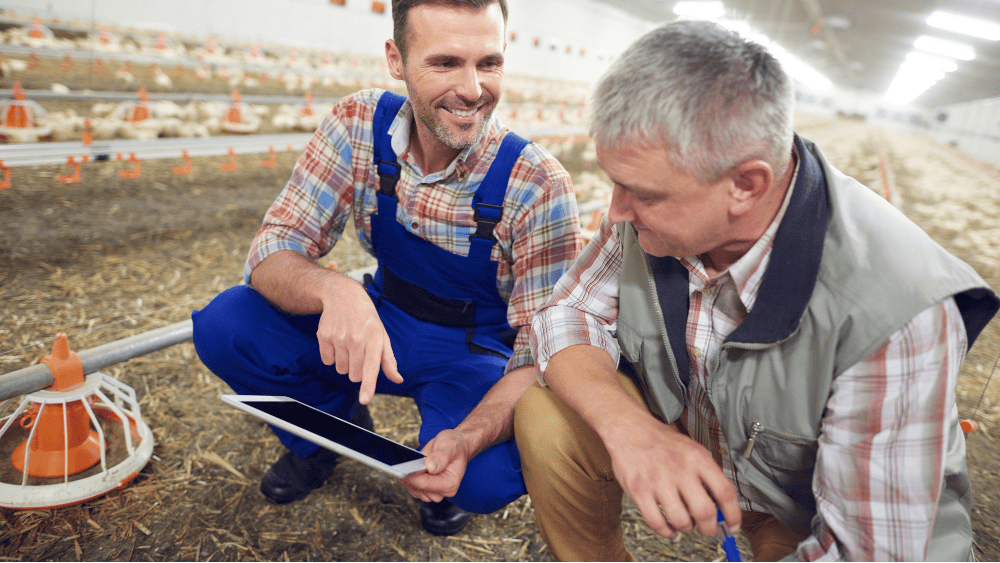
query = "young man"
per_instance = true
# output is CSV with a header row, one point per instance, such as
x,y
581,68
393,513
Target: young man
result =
x,y
791,341
470,225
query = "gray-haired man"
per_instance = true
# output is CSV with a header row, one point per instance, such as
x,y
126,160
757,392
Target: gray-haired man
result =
x,y
787,342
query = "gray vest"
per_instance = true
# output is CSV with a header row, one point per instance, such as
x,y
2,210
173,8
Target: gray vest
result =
x,y
847,270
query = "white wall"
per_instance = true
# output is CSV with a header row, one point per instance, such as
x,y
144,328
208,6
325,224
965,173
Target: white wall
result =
x,y
972,127
354,27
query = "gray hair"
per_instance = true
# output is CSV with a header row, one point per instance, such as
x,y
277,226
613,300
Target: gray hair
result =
x,y
714,98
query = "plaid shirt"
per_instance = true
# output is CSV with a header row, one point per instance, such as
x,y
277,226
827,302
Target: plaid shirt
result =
x,y
537,238
882,442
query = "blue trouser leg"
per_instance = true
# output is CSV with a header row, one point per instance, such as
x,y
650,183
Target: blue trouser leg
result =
x,y
258,349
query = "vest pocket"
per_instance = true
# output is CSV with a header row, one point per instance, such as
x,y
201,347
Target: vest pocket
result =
x,y
788,460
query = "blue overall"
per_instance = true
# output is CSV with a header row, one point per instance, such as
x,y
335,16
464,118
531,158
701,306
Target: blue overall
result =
x,y
445,320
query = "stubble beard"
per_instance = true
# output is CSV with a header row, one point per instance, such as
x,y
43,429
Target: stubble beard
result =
x,y
455,137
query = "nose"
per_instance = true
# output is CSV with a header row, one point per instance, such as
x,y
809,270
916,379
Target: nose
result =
x,y
621,208
469,87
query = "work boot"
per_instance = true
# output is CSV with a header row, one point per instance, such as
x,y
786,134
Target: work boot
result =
x,y
443,518
292,477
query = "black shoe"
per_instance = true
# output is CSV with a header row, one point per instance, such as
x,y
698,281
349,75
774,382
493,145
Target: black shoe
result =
x,y
292,477
443,518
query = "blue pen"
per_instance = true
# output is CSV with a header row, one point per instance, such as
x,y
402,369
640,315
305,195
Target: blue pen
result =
x,y
727,540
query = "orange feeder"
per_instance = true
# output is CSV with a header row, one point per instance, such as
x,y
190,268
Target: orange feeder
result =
x,y
37,31
308,108
140,111
234,120
17,118
66,439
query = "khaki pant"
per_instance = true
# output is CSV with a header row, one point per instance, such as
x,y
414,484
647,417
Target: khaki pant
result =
x,y
573,490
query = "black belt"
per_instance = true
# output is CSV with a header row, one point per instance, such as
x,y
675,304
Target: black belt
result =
x,y
424,305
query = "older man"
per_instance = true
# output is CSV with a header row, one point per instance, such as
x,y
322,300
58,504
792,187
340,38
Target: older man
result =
x,y
470,225
789,342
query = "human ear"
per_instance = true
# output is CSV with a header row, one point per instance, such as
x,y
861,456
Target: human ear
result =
x,y
751,181
394,59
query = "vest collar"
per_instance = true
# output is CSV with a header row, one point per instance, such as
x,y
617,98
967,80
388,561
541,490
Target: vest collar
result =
x,y
795,258
788,281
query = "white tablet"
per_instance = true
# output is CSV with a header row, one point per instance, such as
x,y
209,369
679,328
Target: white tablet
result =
x,y
332,433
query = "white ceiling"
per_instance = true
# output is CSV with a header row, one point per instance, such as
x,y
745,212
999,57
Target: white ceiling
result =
x,y
867,52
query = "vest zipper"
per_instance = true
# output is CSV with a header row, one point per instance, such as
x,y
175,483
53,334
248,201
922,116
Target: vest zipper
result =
x,y
756,429
759,428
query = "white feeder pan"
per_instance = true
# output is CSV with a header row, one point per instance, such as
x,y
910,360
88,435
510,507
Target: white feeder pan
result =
x,y
119,402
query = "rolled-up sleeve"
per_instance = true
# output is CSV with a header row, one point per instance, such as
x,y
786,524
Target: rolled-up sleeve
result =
x,y
584,303
311,211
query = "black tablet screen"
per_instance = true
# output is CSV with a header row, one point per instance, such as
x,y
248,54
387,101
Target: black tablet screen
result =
x,y
336,430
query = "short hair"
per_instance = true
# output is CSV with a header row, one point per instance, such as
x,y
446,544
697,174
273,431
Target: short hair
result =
x,y
714,98
401,15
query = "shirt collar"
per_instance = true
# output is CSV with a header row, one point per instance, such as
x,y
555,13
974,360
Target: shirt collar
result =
x,y
466,160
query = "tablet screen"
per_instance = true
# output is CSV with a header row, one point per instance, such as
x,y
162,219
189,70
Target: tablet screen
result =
x,y
336,430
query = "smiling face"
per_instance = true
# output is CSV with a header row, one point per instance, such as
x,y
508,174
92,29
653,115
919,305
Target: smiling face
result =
x,y
674,213
453,74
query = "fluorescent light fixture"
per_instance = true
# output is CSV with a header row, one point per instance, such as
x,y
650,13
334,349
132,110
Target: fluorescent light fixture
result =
x,y
912,79
964,24
944,47
931,61
703,10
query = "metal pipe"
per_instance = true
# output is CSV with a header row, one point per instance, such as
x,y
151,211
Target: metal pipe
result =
x,y
38,377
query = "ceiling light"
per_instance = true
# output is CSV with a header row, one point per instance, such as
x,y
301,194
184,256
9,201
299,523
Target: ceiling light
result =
x,y
963,24
951,49
923,59
708,10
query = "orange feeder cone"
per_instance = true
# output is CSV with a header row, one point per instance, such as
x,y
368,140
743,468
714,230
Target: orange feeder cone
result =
x,y
968,425
140,111
61,441
88,133
234,114
308,108
235,121
36,31
16,114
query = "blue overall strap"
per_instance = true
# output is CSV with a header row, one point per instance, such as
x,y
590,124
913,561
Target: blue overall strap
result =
x,y
385,158
487,204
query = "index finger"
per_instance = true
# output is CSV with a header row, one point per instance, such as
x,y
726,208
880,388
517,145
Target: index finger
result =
x,y
369,372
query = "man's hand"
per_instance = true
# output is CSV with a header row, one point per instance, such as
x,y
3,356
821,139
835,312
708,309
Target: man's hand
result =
x,y
447,456
350,332
672,479
352,336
